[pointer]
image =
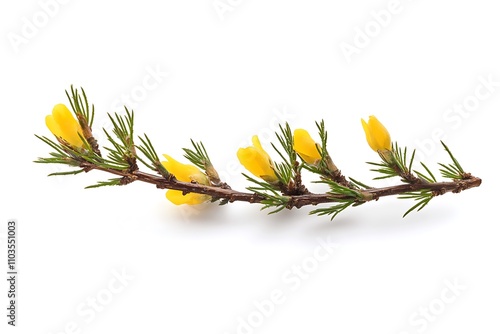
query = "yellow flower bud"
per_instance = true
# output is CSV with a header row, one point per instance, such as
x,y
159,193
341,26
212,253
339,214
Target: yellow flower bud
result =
x,y
257,161
305,147
63,125
185,173
377,135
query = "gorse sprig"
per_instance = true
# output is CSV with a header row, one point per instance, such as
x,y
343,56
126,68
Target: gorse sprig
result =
x,y
276,185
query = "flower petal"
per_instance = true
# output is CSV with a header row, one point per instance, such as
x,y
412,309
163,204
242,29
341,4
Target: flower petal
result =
x,y
176,197
377,135
305,146
257,161
184,172
382,137
62,124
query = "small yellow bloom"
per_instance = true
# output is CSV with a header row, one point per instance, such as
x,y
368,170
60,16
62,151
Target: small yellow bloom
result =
x,y
305,147
63,125
377,135
185,173
257,161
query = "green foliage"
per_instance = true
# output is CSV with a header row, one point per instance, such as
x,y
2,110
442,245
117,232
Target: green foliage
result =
x,y
359,184
111,182
337,189
71,172
149,152
324,166
61,155
272,197
333,210
199,157
343,195
422,197
80,105
123,150
430,177
454,170
285,170
287,192
399,155
395,163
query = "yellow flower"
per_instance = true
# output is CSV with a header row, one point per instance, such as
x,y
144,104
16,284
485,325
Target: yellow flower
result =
x,y
305,146
377,135
185,173
63,125
257,161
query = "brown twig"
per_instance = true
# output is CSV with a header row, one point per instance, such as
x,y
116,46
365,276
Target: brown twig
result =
x,y
438,188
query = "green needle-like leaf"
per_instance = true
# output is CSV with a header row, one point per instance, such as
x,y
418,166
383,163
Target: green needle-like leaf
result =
x,y
110,182
455,161
199,157
333,210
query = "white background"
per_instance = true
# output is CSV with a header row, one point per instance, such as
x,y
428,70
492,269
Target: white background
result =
x,y
230,73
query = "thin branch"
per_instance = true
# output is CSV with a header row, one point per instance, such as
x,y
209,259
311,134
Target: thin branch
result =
x,y
297,201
